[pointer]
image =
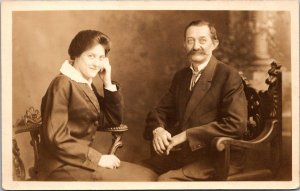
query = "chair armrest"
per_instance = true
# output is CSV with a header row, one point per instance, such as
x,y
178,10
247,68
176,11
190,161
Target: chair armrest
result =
x,y
268,133
117,133
116,142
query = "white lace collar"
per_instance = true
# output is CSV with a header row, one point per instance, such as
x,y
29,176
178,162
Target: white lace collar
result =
x,y
68,70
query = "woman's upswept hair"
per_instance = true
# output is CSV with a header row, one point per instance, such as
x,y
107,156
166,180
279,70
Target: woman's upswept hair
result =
x,y
87,39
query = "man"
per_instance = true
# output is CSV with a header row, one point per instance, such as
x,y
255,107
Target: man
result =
x,y
205,100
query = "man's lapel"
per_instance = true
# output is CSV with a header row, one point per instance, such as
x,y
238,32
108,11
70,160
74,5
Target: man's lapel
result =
x,y
184,92
200,88
90,94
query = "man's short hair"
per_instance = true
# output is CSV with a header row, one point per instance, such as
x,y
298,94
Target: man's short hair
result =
x,y
86,39
213,31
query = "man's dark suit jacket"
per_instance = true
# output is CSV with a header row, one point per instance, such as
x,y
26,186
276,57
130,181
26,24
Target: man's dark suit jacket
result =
x,y
216,107
71,115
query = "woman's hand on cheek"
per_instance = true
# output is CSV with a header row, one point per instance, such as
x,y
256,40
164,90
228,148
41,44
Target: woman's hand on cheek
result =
x,y
105,72
109,161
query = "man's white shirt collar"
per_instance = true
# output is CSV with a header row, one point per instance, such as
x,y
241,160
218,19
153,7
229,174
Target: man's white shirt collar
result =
x,y
68,70
201,66
198,73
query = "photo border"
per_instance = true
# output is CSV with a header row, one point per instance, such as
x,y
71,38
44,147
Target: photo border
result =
x,y
7,9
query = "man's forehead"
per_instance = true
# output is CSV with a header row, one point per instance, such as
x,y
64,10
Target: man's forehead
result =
x,y
198,31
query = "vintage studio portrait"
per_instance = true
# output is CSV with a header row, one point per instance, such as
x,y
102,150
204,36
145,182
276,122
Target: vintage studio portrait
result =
x,y
143,96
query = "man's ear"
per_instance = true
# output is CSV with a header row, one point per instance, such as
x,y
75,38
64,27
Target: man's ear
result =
x,y
215,43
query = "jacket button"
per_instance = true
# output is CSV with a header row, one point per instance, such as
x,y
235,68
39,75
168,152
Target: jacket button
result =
x,y
96,123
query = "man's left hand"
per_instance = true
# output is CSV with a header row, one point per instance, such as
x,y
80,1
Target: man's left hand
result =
x,y
176,140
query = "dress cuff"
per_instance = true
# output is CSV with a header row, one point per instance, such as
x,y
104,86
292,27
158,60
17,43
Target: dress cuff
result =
x,y
93,155
112,88
113,96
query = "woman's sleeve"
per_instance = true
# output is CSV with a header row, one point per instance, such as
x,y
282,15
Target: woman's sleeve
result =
x,y
56,133
112,107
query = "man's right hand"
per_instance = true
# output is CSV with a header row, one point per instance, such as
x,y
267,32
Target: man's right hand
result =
x,y
161,140
109,161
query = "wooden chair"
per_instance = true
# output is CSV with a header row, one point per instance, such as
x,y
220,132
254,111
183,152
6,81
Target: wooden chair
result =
x,y
264,131
30,123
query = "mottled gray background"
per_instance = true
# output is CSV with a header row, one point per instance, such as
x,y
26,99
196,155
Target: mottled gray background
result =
x,y
147,49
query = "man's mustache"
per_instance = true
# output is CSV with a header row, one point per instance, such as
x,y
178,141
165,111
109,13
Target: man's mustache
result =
x,y
193,52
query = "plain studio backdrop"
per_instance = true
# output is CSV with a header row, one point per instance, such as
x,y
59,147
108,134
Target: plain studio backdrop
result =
x,y
147,50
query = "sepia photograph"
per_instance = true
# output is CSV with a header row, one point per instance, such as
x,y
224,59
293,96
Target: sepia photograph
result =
x,y
150,95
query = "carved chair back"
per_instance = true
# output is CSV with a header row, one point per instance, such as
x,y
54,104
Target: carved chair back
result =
x,y
31,123
265,116
263,105
264,130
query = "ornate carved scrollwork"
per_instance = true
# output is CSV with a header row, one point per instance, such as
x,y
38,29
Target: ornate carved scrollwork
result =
x,y
254,110
30,122
274,91
264,104
19,169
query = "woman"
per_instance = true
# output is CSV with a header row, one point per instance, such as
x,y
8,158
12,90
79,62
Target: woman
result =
x,y
72,112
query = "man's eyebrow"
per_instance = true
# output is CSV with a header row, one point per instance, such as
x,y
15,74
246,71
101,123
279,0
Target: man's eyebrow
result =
x,y
194,37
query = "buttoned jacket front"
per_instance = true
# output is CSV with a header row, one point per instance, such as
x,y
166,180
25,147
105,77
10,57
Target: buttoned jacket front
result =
x,y
216,107
72,112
